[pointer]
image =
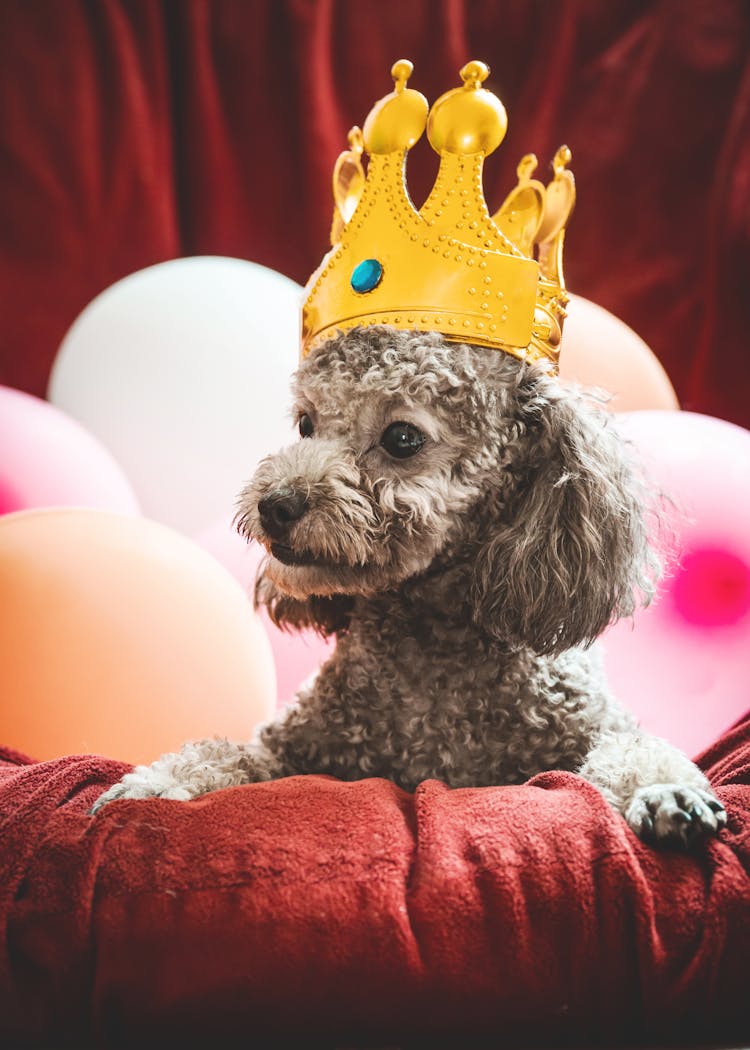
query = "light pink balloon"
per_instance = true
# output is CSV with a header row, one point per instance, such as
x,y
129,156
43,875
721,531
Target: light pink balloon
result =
x,y
600,350
682,664
297,655
48,459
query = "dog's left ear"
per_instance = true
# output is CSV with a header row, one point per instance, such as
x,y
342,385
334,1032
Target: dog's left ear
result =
x,y
326,615
569,553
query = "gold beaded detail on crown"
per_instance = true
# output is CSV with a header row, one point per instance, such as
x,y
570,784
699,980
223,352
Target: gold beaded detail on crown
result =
x,y
451,267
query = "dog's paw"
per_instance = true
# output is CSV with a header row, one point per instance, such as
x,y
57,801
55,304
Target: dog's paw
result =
x,y
669,814
144,783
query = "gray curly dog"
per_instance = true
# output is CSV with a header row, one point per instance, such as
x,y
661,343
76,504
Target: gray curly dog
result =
x,y
467,527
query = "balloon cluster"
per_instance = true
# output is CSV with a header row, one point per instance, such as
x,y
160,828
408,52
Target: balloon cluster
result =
x,y
121,632
125,624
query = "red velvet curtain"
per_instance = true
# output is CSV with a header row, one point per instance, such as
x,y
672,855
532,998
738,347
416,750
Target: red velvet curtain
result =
x,y
133,131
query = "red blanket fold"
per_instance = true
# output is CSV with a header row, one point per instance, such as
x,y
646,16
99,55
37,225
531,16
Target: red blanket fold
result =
x,y
357,910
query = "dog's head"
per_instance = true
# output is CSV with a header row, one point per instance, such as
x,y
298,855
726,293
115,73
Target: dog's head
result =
x,y
417,453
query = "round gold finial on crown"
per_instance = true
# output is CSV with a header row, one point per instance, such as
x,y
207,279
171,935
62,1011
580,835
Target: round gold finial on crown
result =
x,y
561,160
397,121
474,74
468,119
401,71
355,140
526,167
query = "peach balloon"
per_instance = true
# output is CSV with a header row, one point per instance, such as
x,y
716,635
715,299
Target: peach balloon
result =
x,y
121,637
599,350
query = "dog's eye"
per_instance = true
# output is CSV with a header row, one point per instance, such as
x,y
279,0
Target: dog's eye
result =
x,y
306,427
402,440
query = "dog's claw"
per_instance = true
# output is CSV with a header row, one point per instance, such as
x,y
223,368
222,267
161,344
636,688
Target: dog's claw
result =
x,y
718,809
115,792
670,814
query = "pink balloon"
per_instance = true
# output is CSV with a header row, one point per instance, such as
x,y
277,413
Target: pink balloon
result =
x,y
9,500
49,460
297,655
681,664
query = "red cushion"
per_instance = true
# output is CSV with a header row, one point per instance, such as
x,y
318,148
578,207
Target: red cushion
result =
x,y
312,906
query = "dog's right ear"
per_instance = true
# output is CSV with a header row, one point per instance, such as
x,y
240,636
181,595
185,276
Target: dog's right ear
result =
x,y
326,615
570,549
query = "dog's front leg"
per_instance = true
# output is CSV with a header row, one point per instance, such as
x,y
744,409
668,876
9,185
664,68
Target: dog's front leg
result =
x,y
663,796
200,767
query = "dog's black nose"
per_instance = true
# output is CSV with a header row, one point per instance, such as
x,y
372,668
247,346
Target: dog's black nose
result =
x,y
279,509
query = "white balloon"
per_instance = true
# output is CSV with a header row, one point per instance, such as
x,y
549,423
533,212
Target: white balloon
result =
x,y
182,371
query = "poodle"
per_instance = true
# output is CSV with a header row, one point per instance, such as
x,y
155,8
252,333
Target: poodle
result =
x,y
466,526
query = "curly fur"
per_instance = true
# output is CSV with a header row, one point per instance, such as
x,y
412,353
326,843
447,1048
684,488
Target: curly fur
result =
x,y
465,585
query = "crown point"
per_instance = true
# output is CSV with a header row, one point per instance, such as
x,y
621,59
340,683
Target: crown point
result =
x,y
355,139
401,71
397,121
469,121
561,160
474,73
526,167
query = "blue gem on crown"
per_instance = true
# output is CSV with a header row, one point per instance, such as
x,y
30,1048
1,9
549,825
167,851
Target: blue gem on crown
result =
x,y
366,275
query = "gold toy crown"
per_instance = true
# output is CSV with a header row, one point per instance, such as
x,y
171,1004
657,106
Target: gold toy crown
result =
x,y
451,267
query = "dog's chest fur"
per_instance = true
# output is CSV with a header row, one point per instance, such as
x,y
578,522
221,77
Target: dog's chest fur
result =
x,y
411,698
